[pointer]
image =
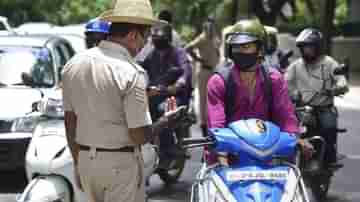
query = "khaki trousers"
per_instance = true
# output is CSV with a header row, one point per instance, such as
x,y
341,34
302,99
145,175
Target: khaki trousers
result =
x,y
203,77
112,176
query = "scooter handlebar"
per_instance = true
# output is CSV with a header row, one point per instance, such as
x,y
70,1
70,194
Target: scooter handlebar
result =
x,y
197,142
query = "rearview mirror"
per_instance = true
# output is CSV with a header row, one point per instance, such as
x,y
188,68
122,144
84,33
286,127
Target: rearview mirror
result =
x,y
27,79
343,69
59,72
35,106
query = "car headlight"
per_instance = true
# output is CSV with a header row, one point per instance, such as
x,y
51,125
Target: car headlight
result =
x,y
52,108
26,124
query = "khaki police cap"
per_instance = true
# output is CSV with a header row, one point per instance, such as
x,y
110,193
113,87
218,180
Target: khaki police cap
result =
x,y
131,11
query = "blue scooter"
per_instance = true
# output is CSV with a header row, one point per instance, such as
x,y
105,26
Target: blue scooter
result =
x,y
263,168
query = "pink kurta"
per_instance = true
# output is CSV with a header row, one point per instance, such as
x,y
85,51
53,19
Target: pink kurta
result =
x,y
283,113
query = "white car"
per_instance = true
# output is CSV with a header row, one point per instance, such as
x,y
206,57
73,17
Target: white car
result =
x,y
5,28
35,28
30,67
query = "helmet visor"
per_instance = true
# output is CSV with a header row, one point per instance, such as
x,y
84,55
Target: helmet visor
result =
x,y
241,38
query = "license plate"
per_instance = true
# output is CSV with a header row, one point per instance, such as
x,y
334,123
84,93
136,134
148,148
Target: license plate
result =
x,y
256,175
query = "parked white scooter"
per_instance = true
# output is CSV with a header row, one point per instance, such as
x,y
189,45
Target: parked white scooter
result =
x,y
49,164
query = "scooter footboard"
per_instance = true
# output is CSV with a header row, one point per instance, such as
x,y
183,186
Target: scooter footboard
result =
x,y
46,188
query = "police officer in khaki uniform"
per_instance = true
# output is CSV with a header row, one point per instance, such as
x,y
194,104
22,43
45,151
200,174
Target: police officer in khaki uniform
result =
x,y
106,109
208,44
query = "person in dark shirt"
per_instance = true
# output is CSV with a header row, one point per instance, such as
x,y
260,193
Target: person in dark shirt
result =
x,y
169,74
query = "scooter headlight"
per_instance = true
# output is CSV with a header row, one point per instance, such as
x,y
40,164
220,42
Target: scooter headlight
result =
x,y
52,107
26,124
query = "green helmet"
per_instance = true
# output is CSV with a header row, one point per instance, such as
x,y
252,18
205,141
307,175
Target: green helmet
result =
x,y
247,31
272,40
243,32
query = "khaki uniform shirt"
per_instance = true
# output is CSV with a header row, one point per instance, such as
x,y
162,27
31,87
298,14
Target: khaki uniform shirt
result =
x,y
308,79
106,90
208,49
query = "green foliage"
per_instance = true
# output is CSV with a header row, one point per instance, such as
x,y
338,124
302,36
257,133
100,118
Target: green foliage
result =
x,y
55,11
341,12
82,10
188,14
305,18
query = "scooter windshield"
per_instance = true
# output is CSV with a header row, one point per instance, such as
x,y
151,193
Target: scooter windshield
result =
x,y
254,137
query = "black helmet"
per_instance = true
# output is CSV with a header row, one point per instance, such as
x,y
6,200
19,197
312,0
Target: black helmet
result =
x,y
309,36
166,15
162,36
162,31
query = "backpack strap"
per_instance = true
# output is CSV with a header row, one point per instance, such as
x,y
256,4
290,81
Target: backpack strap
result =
x,y
230,89
224,70
268,88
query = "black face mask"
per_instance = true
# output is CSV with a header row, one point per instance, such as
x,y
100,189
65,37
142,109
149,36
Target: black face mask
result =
x,y
161,44
310,58
245,60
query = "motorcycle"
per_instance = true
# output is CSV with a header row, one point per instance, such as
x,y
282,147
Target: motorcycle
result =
x,y
49,164
263,168
170,173
314,170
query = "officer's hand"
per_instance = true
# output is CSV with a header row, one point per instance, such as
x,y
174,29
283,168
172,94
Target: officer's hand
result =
x,y
171,105
307,148
174,114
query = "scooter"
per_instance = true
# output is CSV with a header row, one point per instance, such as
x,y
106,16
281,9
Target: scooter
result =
x,y
263,168
49,164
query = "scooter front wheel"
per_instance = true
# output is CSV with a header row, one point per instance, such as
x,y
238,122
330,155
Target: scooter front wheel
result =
x,y
321,186
173,173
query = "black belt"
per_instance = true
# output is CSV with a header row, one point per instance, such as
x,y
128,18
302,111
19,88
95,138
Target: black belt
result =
x,y
122,149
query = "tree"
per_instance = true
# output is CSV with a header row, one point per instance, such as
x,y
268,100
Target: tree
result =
x,y
58,12
235,6
268,11
327,25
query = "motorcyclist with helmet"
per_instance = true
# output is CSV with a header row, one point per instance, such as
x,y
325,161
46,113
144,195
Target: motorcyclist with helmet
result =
x,y
176,40
250,90
274,56
96,30
312,77
169,74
